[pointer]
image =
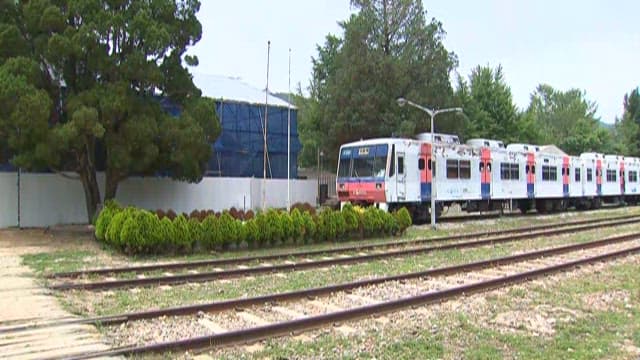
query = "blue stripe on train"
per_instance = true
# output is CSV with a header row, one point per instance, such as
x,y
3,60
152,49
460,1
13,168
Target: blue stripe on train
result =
x,y
599,189
425,191
565,190
485,190
530,191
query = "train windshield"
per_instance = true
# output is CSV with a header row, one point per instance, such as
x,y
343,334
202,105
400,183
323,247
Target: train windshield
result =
x,y
363,161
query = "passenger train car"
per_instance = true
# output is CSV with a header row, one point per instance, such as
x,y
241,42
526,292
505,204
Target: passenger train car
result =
x,y
480,175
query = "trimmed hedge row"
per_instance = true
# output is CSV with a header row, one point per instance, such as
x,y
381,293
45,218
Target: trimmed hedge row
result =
x,y
137,231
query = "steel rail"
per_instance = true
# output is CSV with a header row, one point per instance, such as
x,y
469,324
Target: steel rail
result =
x,y
324,290
341,249
284,328
209,276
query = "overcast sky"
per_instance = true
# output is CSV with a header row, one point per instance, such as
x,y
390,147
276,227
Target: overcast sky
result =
x,y
588,44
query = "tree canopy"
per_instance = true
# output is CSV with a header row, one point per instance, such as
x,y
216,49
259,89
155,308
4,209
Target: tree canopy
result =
x,y
387,50
628,128
567,119
82,81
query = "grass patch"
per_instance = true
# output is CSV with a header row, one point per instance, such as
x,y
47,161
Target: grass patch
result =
x,y
59,261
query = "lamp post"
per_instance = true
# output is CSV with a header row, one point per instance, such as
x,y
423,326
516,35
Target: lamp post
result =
x,y
432,114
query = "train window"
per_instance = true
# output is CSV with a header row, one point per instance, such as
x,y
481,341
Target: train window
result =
x,y
563,171
452,169
429,164
433,168
489,167
504,171
549,173
577,174
515,171
465,169
481,167
421,164
633,176
590,175
568,172
533,169
611,176
400,165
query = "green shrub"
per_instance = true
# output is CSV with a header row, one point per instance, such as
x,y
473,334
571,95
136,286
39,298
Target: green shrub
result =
x,y
310,227
373,221
403,218
351,219
389,223
196,231
226,230
297,226
110,209
210,232
286,222
182,242
262,225
327,225
115,227
252,233
274,230
139,233
166,233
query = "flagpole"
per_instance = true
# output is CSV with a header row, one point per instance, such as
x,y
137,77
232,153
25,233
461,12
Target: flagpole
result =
x,y
289,141
266,119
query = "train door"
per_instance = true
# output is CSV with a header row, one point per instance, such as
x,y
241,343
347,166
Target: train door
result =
x,y
401,177
599,177
565,176
485,173
530,169
622,179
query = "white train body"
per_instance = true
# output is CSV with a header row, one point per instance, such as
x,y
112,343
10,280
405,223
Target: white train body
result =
x,y
481,175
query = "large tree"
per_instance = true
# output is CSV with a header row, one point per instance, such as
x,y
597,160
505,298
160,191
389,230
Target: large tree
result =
x,y
568,120
488,104
81,86
388,49
628,128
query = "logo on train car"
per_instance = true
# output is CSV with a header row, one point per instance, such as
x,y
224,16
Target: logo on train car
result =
x,y
363,151
346,153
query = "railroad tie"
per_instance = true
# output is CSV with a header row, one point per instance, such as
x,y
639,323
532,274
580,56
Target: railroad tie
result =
x,y
212,326
252,318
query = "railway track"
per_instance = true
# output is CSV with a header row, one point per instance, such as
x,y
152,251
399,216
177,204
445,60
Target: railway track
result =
x,y
492,273
521,234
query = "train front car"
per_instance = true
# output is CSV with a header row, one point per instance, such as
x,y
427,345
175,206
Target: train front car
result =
x,y
362,173
387,173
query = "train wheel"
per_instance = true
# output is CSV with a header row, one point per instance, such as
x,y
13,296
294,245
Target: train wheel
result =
x,y
524,206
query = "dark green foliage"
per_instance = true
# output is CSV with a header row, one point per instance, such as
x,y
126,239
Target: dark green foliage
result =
x,y
288,230
252,233
351,219
114,59
327,225
182,241
627,129
139,234
275,232
196,231
166,232
115,226
111,208
211,237
403,219
262,236
386,50
310,227
372,221
390,224
227,230
297,226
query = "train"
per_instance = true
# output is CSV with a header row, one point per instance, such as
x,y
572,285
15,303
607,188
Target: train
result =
x,y
479,175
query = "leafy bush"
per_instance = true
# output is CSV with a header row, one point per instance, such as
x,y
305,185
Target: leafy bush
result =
x,y
310,227
403,218
327,225
373,221
210,233
182,242
251,233
274,230
226,230
297,226
166,233
110,209
351,219
286,222
115,226
139,233
389,223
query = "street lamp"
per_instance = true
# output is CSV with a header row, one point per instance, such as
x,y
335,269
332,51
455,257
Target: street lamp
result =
x,y
432,114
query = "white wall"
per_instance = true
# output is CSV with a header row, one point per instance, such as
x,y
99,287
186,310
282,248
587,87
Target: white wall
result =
x,y
49,199
8,199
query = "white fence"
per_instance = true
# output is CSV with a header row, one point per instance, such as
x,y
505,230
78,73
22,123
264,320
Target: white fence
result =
x,y
49,199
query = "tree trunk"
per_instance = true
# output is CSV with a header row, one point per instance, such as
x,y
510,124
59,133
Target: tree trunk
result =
x,y
91,192
111,185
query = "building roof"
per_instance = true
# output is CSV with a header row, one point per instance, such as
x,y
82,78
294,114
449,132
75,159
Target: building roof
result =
x,y
234,89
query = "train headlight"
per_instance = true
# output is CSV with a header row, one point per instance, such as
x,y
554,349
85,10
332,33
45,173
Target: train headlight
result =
x,y
378,186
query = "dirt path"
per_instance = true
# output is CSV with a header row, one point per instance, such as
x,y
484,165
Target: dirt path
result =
x,y
24,302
